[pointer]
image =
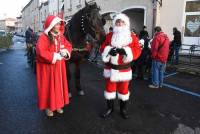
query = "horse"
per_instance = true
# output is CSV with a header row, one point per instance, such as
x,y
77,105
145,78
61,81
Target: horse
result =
x,y
85,26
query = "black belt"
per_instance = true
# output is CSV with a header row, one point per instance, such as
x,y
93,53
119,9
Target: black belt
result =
x,y
118,67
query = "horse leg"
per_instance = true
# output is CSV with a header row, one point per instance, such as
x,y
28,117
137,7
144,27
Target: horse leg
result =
x,y
77,78
68,77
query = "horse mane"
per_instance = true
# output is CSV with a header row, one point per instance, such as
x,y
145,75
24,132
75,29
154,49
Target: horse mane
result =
x,y
73,31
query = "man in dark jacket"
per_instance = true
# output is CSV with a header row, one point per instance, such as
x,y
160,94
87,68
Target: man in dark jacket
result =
x,y
159,55
176,44
144,33
29,35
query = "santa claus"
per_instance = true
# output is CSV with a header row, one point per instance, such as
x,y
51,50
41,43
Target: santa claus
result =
x,y
119,49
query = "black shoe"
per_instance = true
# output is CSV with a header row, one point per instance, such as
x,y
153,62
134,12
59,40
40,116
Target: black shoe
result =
x,y
107,113
124,114
110,109
123,109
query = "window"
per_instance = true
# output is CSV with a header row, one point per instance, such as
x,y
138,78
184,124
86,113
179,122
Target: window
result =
x,y
192,18
192,26
192,6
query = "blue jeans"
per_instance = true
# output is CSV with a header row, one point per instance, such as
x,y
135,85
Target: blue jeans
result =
x,y
157,73
176,52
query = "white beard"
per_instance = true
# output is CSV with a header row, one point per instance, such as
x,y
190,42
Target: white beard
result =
x,y
121,37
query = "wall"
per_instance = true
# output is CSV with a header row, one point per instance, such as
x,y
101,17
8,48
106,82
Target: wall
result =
x,y
170,15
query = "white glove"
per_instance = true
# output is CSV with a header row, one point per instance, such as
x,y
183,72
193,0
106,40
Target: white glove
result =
x,y
63,53
56,56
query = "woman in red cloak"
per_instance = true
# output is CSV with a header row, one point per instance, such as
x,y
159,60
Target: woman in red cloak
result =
x,y
52,50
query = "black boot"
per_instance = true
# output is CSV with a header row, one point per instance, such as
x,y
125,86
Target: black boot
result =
x,y
123,109
110,109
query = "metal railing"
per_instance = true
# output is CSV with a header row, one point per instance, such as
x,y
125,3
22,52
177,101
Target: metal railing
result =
x,y
190,55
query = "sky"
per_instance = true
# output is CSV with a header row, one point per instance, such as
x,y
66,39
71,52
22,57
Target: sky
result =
x,y
11,8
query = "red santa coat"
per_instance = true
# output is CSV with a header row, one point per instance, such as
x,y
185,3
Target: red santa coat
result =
x,y
133,51
51,73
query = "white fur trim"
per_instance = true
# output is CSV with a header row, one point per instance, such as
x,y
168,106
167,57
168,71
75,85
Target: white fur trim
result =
x,y
53,23
141,42
129,55
123,17
123,97
116,75
106,73
55,55
109,95
114,59
105,55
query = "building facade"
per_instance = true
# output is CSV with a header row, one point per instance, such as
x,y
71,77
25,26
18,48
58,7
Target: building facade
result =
x,y
8,25
137,10
18,25
30,15
183,14
43,13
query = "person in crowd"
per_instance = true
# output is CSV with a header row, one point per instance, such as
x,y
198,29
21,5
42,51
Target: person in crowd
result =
x,y
142,63
176,44
144,33
29,36
52,50
159,54
119,49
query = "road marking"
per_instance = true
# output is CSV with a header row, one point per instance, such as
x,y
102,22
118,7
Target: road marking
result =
x,y
1,63
170,74
177,88
181,90
172,87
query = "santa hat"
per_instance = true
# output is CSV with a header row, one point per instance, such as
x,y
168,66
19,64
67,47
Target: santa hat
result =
x,y
123,17
50,22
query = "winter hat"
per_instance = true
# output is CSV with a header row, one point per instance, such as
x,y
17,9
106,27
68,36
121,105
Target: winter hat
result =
x,y
123,17
50,22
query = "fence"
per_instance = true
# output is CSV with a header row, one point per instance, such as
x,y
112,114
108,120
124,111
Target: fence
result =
x,y
190,55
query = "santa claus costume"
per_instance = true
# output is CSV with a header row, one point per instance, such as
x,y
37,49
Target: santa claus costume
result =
x,y
119,49
52,50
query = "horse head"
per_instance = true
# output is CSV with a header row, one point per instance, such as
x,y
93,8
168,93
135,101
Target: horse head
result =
x,y
92,22
86,21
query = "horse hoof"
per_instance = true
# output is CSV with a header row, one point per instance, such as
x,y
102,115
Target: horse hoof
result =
x,y
70,95
81,93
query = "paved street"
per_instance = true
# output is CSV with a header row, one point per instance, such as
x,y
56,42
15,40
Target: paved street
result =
x,y
174,109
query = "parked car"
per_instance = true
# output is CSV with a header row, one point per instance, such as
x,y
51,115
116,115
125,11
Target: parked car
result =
x,y
2,33
19,34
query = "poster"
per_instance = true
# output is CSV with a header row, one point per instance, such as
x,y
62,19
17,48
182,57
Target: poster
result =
x,y
192,26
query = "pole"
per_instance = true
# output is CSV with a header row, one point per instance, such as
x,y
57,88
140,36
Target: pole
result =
x,y
58,8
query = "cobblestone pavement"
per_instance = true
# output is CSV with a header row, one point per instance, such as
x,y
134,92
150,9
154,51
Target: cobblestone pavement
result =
x,y
152,111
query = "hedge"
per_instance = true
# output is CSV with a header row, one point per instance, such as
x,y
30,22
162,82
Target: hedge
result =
x,y
6,41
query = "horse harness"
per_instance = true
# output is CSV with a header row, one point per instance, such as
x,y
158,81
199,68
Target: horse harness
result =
x,y
83,17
